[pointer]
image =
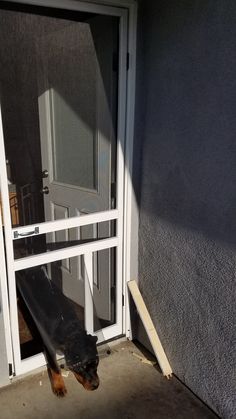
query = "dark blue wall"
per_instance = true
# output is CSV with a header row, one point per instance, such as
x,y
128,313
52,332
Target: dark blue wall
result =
x,y
187,238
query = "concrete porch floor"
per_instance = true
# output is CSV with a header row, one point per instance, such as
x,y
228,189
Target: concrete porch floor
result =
x,y
129,389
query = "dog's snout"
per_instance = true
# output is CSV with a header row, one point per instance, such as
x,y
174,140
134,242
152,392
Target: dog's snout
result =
x,y
94,383
89,383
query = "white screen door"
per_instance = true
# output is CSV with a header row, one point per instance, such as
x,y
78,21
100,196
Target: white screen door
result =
x,y
62,163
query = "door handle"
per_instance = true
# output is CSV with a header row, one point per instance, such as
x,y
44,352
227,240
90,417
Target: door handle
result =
x,y
45,190
45,174
27,233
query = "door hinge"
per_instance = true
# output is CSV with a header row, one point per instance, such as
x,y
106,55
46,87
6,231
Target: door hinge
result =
x,y
127,61
113,195
10,370
123,300
113,190
113,293
115,62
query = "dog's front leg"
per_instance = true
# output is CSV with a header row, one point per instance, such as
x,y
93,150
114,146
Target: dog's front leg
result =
x,y
57,383
54,372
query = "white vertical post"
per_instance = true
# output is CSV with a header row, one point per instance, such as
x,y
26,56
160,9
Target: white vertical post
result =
x,y
9,252
121,165
4,295
88,290
131,220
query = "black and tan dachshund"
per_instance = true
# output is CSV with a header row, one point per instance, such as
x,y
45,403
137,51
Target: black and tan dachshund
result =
x,y
57,322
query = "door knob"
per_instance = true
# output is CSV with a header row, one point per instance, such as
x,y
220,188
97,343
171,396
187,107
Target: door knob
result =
x,y
45,174
45,190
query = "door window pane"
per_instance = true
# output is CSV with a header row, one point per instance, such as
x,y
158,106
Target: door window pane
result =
x,y
74,141
73,79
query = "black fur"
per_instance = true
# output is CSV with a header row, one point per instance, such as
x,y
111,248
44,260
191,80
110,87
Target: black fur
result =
x,y
59,326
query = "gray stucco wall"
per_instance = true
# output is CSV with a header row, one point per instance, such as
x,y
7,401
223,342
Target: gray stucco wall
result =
x,y
187,254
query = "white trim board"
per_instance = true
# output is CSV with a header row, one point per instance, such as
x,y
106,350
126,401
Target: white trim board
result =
x,y
150,329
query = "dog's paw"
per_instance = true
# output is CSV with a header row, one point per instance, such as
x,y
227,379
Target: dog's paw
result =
x,y
60,391
57,383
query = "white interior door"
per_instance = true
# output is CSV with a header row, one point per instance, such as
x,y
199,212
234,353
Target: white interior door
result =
x,y
77,126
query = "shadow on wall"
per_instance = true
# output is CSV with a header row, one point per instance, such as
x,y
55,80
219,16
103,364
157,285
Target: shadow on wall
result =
x,y
188,197
189,147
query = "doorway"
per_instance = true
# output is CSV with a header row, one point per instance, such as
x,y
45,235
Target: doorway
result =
x,y
63,110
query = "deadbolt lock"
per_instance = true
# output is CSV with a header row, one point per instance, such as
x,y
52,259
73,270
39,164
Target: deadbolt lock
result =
x,y
45,190
45,174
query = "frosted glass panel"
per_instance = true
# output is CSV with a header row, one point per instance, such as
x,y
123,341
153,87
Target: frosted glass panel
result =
x,y
74,146
73,99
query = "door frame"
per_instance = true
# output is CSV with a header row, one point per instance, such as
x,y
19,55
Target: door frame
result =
x,y
127,242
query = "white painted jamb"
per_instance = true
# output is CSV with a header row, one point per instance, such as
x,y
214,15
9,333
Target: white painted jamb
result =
x,y
122,97
131,211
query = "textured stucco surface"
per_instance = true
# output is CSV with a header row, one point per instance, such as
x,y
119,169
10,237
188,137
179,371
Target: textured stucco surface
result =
x,y
187,255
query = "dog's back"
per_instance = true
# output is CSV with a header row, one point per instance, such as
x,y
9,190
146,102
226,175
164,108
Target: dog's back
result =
x,y
52,312
57,322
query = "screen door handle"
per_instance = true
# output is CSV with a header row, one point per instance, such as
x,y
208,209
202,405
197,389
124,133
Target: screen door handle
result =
x,y
27,233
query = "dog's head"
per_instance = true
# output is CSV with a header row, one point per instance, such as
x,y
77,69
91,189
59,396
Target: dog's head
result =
x,y
81,357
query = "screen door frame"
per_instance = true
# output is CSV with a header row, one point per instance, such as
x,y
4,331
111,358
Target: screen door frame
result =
x,y
125,95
